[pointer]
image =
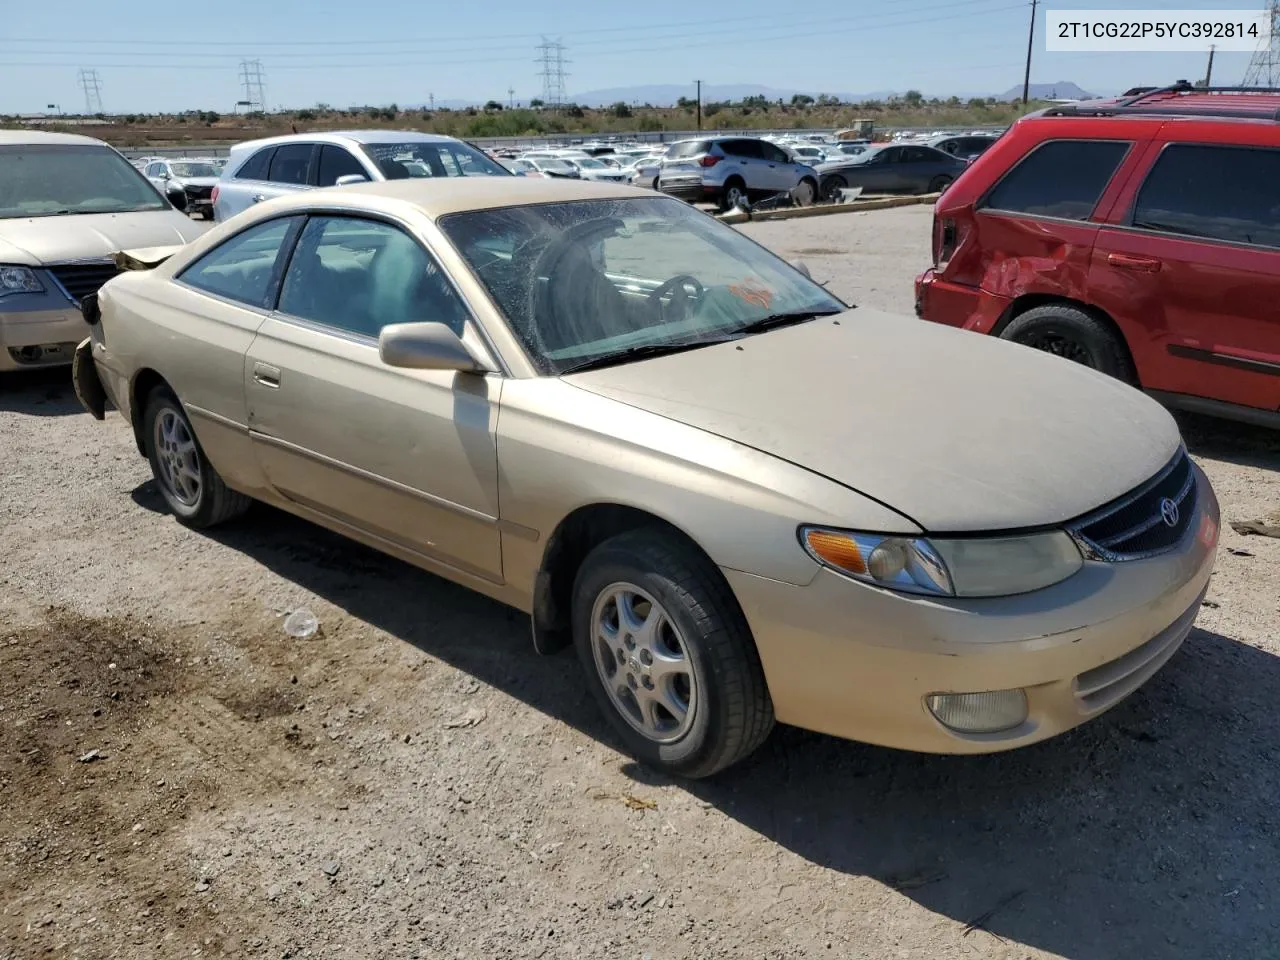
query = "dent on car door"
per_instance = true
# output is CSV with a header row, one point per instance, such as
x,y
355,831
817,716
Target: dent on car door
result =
x,y
211,314
408,456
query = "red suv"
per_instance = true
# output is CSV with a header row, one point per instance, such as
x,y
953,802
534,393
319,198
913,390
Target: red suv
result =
x,y
1139,236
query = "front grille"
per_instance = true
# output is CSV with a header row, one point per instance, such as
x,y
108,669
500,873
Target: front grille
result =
x,y
1147,521
199,193
81,279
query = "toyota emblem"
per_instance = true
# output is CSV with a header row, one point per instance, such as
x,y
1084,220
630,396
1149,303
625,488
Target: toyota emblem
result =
x,y
1169,512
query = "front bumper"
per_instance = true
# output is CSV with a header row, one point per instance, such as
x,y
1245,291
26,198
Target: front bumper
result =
x,y
857,662
40,338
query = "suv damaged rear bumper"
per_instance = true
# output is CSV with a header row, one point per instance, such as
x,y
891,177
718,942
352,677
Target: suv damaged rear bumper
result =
x,y
957,304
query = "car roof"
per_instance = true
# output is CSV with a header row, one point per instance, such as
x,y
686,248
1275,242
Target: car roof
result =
x,y
439,196
346,137
8,137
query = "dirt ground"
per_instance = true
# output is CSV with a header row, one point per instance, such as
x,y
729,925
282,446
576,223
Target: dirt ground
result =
x,y
179,777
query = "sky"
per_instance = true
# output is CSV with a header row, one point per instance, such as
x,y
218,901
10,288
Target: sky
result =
x,y
177,56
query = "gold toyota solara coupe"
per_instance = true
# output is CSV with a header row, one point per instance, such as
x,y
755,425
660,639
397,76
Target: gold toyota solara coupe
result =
x,y
739,498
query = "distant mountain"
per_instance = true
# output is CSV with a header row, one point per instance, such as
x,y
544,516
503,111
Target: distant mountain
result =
x,y
1062,90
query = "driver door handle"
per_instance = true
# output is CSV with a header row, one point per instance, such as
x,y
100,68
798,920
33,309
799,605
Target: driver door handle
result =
x,y
266,375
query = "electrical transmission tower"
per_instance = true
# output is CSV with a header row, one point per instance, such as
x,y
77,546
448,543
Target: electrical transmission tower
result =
x,y
254,84
551,57
89,82
1264,68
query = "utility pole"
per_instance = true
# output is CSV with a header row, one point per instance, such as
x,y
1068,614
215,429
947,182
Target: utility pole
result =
x,y
1264,68
1031,39
699,83
1208,73
89,82
431,99
511,97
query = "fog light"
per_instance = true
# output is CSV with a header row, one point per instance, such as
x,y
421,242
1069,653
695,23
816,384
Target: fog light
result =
x,y
988,712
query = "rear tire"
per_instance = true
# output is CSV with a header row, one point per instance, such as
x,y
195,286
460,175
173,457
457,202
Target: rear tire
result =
x,y
721,709
1073,334
191,488
805,193
734,190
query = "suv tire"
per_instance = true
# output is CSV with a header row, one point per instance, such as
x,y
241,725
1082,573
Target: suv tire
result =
x,y
734,187
1074,334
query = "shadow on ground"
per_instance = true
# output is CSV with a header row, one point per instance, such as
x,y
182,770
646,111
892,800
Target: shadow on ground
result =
x,y
1241,443
39,393
1150,832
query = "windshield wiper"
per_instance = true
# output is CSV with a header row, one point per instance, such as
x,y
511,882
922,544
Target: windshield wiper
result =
x,y
640,352
787,319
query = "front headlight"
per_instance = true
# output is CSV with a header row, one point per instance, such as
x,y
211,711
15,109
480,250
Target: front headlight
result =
x,y
19,280
952,567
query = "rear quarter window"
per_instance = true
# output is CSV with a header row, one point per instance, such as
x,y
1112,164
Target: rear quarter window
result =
x,y
690,149
255,168
1215,192
1059,178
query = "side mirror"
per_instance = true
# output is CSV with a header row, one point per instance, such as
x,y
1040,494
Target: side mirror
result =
x,y
426,346
802,267
178,197
349,178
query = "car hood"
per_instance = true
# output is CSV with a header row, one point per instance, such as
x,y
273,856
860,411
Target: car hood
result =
x,y
33,241
196,181
957,431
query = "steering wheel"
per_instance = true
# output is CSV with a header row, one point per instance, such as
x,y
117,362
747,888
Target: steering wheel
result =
x,y
682,282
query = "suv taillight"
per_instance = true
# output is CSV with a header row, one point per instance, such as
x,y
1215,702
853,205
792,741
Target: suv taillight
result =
x,y
213,197
710,160
944,241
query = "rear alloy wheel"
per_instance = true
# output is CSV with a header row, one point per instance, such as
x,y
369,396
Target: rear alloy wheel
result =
x,y
735,192
191,488
668,654
833,187
938,184
805,193
1074,334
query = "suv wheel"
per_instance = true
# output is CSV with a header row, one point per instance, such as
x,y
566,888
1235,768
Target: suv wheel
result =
x,y
1069,332
735,191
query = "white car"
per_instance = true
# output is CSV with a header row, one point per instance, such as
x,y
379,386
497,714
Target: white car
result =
x,y
591,169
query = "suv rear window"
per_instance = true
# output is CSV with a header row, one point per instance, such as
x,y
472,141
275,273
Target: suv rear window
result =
x,y
1060,178
689,149
1222,193
255,168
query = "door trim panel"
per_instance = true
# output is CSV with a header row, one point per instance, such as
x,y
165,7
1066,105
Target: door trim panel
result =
x,y
374,478
1223,359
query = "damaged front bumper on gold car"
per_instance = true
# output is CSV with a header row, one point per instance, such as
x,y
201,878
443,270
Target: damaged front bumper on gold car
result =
x,y
859,662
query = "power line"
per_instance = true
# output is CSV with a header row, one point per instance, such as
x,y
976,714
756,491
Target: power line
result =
x,y
631,30
551,56
860,27
1264,67
89,82
254,85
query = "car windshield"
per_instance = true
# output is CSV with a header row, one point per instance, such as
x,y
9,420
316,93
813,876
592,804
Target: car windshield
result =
x,y
590,164
47,180
400,161
194,169
555,165
592,280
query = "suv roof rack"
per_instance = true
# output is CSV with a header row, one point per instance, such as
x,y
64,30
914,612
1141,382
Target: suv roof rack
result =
x,y
1181,99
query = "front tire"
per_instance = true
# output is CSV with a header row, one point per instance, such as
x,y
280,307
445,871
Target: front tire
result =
x,y
938,184
1073,334
191,488
668,655
833,186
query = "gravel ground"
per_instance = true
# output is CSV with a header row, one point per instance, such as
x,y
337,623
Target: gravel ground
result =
x,y
179,777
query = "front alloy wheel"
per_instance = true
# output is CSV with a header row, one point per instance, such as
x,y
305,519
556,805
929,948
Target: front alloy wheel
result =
x,y
668,654
641,660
